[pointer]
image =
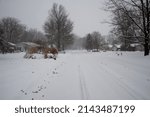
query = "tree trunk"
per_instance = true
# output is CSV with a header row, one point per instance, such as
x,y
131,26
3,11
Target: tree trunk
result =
x,y
146,50
146,47
148,28
58,45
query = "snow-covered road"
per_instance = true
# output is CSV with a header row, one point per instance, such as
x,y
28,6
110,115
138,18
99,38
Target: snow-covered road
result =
x,y
76,75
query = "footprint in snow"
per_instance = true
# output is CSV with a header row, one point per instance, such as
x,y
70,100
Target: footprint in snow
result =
x,y
23,92
54,72
43,96
40,88
34,91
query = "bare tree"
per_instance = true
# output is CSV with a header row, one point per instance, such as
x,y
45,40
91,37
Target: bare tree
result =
x,y
94,41
97,40
12,29
58,27
137,12
1,32
89,42
112,39
33,35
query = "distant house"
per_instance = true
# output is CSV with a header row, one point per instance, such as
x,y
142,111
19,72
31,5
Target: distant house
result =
x,y
116,47
106,47
110,47
52,46
7,47
12,45
136,47
23,46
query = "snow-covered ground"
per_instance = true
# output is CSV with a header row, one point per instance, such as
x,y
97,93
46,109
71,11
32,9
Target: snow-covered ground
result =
x,y
76,75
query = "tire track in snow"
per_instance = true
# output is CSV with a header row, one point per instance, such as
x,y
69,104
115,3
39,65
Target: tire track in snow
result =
x,y
122,84
83,87
130,66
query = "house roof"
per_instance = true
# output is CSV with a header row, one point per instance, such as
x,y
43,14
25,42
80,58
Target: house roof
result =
x,y
11,44
29,44
110,46
134,44
117,45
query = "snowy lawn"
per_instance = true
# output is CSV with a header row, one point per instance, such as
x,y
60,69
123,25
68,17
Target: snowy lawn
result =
x,y
76,75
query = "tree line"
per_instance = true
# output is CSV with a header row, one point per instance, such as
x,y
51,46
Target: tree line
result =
x,y
12,30
131,25
58,29
131,21
94,41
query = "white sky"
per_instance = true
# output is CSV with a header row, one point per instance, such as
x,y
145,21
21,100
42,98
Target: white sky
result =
x,y
87,15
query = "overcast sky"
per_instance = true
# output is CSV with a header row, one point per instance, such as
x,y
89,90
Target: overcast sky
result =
x,y
87,15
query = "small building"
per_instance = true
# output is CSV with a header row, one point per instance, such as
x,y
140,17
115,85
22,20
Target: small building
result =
x,y
23,46
7,47
136,47
116,47
110,47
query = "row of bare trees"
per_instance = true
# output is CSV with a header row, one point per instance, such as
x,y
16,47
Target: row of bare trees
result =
x,y
94,41
33,35
131,20
58,29
11,30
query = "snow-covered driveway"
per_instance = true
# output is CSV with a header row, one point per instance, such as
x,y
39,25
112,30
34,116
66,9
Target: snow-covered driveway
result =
x,y
76,75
